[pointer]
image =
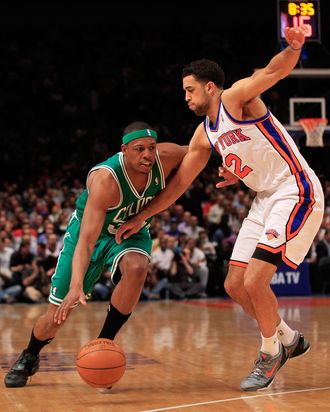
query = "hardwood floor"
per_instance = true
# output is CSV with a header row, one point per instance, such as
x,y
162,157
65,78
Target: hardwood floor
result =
x,y
185,356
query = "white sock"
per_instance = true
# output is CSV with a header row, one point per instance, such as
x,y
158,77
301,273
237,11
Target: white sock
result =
x,y
270,345
285,334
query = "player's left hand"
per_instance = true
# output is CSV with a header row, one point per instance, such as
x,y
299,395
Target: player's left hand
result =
x,y
128,228
229,178
295,36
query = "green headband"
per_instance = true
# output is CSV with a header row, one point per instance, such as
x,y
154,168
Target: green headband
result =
x,y
139,133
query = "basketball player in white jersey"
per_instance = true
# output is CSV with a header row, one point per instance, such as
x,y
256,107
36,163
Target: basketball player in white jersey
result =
x,y
287,210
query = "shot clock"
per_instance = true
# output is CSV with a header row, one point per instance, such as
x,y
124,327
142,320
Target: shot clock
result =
x,y
298,13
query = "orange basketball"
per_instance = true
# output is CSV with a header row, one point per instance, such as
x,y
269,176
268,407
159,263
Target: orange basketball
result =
x,y
101,362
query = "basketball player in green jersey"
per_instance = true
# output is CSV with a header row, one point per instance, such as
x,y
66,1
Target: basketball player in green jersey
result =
x,y
116,190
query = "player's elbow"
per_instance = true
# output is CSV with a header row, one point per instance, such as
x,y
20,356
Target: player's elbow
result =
x,y
184,150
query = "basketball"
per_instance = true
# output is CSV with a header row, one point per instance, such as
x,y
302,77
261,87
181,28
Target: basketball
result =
x,y
101,363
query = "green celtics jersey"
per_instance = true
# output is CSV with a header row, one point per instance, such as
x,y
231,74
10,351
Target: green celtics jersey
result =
x,y
131,202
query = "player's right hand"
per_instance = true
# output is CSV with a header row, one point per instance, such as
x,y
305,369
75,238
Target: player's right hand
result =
x,y
74,296
295,36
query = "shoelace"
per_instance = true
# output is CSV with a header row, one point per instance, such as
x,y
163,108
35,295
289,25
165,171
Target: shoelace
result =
x,y
258,370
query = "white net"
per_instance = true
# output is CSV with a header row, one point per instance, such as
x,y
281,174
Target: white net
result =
x,y
314,129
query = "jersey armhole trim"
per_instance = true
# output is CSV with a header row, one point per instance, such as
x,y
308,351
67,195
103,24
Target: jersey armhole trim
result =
x,y
247,122
208,138
110,170
160,166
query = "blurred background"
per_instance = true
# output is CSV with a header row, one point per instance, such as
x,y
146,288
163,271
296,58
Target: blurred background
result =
x,y
74,75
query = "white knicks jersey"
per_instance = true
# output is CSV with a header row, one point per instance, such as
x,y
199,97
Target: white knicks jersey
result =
x,y
260,152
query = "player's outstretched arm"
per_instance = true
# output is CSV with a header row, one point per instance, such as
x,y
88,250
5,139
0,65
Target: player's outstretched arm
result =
x,y
279,67
193,163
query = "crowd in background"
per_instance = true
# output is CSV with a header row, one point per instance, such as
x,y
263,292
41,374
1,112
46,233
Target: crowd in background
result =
x,y
65,97
192,240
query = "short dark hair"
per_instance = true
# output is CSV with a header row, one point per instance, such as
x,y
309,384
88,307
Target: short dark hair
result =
x,y
24,242
205,70
139,125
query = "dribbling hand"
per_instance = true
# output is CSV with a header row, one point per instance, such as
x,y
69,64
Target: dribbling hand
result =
x,y
74,296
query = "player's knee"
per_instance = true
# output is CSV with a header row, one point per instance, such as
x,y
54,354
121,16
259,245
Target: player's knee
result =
x,y
138,272
233,283
135,266
229,287
233,288
251,286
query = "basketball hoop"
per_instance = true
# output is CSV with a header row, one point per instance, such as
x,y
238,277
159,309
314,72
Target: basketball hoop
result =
x,y
314,128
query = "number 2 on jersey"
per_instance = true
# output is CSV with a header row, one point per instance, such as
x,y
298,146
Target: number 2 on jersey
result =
x,y
239,171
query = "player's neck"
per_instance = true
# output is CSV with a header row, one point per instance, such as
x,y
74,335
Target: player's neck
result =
x,y
139,180
214,107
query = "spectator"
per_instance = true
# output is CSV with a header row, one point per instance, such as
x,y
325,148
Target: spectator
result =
x,y
165,221
323,246
49,229
207,246
20,266
178,211
21,262
174,231
53,246
216,211
181,243
211,197
160,265
38,224
182,226
184,282
5,255
48,264
33,281
199,263
193,230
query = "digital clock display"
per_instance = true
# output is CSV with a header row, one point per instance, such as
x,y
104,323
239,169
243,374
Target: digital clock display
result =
x,y
298,13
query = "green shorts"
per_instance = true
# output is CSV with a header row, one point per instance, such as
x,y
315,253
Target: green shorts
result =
x,y
107,254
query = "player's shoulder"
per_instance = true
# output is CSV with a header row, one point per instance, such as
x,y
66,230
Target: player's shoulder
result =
x,y
231,93
101,177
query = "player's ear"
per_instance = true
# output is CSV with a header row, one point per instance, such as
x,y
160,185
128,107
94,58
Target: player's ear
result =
x,y
123,148
210,88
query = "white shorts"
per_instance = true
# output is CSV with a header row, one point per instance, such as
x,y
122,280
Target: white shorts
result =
x,y
284,220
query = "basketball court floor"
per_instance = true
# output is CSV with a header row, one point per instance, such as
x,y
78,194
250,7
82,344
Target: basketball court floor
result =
x,y
181,356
